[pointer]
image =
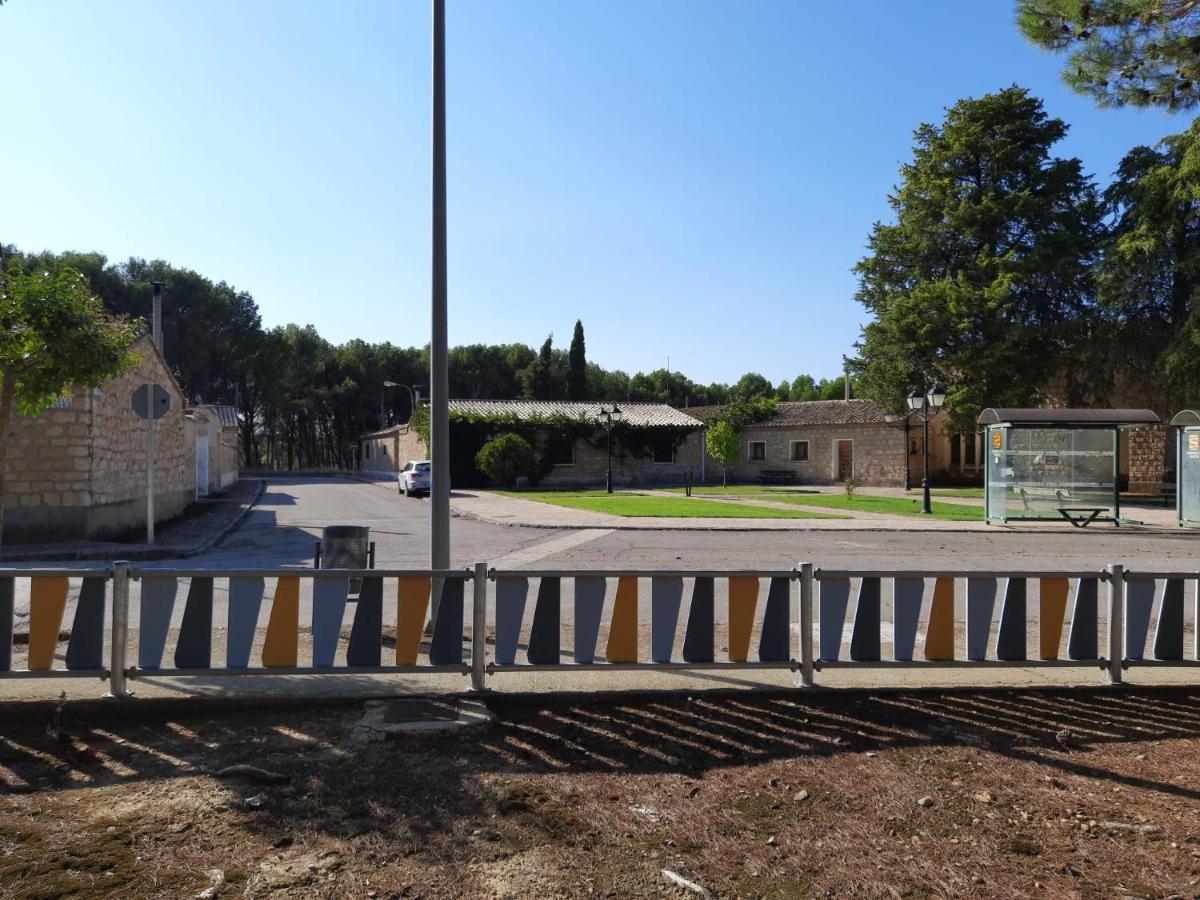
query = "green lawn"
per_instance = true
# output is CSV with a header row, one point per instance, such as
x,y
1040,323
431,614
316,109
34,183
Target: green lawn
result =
x,y
974,493
896,506
630,504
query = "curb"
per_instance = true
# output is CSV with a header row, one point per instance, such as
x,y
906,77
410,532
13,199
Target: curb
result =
x,y
884,529
145,554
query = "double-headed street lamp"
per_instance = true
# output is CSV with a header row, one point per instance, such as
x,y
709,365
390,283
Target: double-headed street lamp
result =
x,y
609,416
926,406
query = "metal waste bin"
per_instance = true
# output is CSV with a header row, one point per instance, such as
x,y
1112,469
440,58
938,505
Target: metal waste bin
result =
x,y
345,547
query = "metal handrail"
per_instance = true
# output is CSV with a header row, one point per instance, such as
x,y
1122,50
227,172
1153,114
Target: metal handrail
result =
x,y
643,573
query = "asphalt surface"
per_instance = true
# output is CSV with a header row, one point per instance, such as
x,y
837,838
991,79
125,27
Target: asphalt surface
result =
x,y
282,529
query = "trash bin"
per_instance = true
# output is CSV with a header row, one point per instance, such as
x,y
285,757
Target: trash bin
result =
x,y
346,547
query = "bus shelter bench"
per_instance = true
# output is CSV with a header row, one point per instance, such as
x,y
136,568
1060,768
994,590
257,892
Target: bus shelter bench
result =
x,y
1083,516
777,476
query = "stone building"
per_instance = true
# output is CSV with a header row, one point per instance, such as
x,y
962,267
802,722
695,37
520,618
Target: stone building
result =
x,y
818,442
213,432
78,470
669,442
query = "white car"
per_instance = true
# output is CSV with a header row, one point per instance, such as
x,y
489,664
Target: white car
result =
x,y
414,477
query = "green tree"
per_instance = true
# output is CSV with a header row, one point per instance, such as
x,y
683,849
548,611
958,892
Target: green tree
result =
x,y
752,385
1151,270
577,366
55,335
1122,52
506,458
984,281
721,441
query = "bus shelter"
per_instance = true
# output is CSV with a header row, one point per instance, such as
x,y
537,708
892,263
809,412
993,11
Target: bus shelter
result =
x,y
1187,466
1055,464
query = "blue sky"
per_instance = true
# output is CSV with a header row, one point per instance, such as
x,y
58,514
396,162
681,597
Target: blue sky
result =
x,y
693,179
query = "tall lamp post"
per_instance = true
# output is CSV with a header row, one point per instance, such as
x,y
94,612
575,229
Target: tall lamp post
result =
x,y
609,416
413,399
926,406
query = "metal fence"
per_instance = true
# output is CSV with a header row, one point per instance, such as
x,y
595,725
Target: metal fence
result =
x,y
787,619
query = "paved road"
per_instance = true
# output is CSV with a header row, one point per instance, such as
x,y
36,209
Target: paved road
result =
x,y
282,529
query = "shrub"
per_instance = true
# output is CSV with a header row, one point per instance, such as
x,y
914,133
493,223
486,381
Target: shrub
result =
x,y
506,458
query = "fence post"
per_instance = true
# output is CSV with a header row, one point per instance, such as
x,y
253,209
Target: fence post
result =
x,y
1116,622
118,649
806,624
479,628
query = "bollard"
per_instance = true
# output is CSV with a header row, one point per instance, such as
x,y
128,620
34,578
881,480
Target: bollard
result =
x,y
806,625
120,632
1116,622
479,628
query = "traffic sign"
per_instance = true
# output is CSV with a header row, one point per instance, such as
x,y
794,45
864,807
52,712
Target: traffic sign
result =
x,y
353,445
143,406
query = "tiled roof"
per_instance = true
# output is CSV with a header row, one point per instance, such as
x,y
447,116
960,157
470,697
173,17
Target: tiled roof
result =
x,y
228,415
799,413
826,412
636,414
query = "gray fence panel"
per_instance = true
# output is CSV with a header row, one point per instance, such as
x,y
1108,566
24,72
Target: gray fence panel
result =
x,y
864,638
835,598
907,596
666,595
510,611
981,604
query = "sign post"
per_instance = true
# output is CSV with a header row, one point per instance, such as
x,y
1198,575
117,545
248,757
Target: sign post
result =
x,y
151,402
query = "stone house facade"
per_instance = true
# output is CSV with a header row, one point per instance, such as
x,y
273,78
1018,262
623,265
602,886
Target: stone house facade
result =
x,y
382,453
212,430
818,442
78,470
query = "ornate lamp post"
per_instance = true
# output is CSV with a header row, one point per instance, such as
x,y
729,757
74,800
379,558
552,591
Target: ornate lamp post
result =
x,y
926,406
609,416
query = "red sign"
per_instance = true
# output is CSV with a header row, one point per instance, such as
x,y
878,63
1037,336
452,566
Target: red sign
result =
x,y
354,445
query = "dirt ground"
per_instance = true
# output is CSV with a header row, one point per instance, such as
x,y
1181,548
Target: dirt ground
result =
x,y
1071,793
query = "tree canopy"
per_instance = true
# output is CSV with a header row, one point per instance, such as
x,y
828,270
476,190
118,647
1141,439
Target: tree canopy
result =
x,y
1122,52
984,280
1151,270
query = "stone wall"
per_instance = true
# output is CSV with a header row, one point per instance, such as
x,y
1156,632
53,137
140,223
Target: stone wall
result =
x,y
878,454
1147,455
80,471
591,464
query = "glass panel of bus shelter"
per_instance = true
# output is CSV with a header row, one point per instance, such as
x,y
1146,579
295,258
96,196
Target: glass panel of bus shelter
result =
x,y
1189,476
998,474
1056,467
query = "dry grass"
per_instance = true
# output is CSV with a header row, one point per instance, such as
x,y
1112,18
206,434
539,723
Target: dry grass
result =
x,y
750,795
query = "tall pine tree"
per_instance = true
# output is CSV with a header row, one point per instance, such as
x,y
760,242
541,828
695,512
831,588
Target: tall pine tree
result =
x,y
984,281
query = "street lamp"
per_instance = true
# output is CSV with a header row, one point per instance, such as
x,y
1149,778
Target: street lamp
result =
x,y
609,416
925,407
413,399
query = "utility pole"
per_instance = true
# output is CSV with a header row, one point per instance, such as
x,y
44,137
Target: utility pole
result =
x,y
152,423
439,377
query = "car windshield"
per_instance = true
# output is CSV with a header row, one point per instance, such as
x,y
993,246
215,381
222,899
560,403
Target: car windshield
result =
x,y
423,468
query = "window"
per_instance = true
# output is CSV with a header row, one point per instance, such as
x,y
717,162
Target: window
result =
x,y
799,451
385,449
757,451
366,451
560,450
955,451
663,449
912,449
970,445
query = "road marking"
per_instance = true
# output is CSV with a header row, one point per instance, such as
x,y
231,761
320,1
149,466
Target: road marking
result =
x,y
521,558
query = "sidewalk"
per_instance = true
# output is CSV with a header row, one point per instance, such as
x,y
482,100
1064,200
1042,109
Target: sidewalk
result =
x,y
205,524
496,509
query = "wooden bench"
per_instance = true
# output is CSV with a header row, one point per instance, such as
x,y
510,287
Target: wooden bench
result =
x,y
777,476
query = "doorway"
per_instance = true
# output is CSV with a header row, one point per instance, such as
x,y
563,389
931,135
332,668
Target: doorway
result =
x,y
202,466
845,460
